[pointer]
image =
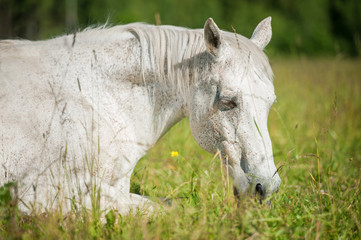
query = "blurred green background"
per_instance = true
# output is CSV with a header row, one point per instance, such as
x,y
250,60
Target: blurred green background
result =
x,y
300,27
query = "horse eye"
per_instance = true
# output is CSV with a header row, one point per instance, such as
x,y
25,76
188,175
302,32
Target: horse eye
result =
x,y
225,105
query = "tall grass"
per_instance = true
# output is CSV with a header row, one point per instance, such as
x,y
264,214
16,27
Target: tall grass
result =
x,y
316,133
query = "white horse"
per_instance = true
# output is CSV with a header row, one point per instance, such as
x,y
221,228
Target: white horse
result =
x,y
80,110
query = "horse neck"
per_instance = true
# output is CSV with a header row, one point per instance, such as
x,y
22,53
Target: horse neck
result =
x,y
169,104
170,67
119,60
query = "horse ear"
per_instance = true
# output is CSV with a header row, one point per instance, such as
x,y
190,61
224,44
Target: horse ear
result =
x,y
212,37
263,33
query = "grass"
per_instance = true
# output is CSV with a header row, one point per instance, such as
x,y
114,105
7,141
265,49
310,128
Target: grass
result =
x,y
315,129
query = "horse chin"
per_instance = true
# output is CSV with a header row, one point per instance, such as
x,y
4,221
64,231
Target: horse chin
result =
x,y
240,188
261,200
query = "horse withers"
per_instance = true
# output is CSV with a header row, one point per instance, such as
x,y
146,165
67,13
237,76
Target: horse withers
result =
x,y
80,110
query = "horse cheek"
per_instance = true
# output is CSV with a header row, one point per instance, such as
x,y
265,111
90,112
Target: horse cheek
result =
x,y
203,132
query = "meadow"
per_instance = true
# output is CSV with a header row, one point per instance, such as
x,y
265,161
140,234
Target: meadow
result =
x,y
315,128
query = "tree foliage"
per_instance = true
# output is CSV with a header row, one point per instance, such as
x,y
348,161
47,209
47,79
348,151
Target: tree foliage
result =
x,y
322,27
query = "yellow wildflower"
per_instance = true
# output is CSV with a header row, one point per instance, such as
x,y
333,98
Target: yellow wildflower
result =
x,y
174,153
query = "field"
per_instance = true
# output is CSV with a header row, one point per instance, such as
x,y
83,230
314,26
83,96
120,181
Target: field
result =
x,y
315,128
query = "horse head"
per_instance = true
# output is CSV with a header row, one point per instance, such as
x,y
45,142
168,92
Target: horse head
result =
x,y
230,103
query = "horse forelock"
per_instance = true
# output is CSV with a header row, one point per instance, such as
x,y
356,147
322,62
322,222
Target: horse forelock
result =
x,y
256,58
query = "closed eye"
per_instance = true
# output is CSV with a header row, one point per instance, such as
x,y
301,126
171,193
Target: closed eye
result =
x,y
225,105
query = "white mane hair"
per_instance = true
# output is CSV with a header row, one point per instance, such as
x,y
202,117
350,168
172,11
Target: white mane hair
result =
x,y
178,55
4,43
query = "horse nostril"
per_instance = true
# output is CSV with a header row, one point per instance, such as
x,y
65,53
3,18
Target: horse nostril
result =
x,y
259,189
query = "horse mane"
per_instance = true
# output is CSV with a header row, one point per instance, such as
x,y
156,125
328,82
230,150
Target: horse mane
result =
x,y
10,42
176,53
